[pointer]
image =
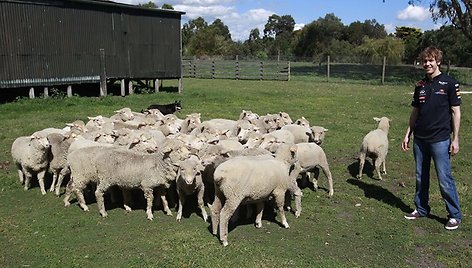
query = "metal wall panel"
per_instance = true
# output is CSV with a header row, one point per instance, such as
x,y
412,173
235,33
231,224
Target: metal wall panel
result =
x,y
58,42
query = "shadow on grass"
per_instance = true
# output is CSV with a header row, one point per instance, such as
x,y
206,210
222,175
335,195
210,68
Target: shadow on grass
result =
x,y
381,194
367,170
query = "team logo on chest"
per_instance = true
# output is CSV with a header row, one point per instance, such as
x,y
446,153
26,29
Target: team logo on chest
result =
x,y
422,96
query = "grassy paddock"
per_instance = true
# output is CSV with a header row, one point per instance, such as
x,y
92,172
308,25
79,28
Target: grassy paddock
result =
x,y
361,226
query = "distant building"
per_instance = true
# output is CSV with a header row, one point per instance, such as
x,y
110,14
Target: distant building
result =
x,y
46,43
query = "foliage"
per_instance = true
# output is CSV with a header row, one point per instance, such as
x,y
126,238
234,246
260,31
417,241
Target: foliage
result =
x,y
374,50
362,225
457,12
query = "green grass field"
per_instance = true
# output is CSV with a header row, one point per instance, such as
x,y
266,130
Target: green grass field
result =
x,y
362,225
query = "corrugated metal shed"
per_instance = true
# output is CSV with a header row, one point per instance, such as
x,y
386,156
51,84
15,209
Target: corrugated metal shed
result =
x,y
50,42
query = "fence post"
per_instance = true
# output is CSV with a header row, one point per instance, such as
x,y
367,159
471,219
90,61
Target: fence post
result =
x,y
45,92
194,70
261,71
288,71
237,68
383,69
213,69
327,69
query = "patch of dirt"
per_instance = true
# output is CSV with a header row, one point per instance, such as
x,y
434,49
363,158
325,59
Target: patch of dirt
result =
x,y
424,259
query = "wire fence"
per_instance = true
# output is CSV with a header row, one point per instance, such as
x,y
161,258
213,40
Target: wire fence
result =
x,y
243,68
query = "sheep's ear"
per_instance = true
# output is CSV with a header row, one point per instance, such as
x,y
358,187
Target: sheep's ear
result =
x,y
377,119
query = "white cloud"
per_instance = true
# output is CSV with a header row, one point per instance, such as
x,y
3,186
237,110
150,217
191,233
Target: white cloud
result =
x,y
414,13
298,26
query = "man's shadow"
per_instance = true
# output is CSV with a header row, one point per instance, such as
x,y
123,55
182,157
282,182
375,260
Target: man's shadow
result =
x,y
381,194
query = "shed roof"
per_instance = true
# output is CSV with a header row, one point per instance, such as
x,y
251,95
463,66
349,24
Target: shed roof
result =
x,y
98,3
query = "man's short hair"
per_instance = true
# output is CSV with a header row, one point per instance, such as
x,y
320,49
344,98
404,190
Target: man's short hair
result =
x,y
431,52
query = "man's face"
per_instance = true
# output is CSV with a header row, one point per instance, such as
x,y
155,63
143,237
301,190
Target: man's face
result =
x,y
431,66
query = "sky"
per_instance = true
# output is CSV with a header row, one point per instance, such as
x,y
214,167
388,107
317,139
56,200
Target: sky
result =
x,y
241,16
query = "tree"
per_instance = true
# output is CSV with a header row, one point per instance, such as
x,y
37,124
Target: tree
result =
x,y
316,37
373,50
149,4
221,29
457,12
167,6
357,30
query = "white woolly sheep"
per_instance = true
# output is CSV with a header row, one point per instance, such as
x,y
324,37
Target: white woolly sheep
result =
x,y
127,169
31,155
58,166
252,179
189,181
375,146
311,156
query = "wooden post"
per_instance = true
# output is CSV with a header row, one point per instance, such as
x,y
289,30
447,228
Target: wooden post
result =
x,y
46,92
383,69
130,87
237,68
448,66
194,70
181,85
69,91
288,79
156,85
31,93
261,71
327,69
122,87
213,69
103,74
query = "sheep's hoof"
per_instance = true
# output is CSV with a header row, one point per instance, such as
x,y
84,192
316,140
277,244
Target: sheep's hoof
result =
x,y
258,225
66,204
297,214
104,214
286,226
178,218
127,208
224,243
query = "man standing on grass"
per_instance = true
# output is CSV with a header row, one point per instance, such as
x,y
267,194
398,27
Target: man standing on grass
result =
x,y
435,115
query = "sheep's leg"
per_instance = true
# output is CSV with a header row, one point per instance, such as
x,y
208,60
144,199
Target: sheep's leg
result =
x,y
127,199
68,193
78,189
328,175
40,176
259,212
64,172
181,204
226,212
100,200
55,174
201,203
21,176
304,179
165,204
149,195
378,164
361,164
28,177
216,210
315,174
279,201
384,170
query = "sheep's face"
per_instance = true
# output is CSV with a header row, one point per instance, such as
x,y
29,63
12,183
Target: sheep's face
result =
x,y
190,169
40,142
318,134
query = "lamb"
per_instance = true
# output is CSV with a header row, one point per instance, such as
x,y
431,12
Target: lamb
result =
x,y
277,136
58,166
31,155
253,179
302,122
127,169
311,156
190,122
189,181
300,133
375,146
318,134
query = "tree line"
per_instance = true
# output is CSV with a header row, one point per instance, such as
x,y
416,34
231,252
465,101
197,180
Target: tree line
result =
x,y
358,42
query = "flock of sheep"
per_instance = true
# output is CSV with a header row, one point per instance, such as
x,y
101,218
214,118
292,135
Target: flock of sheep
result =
x,y
226,163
